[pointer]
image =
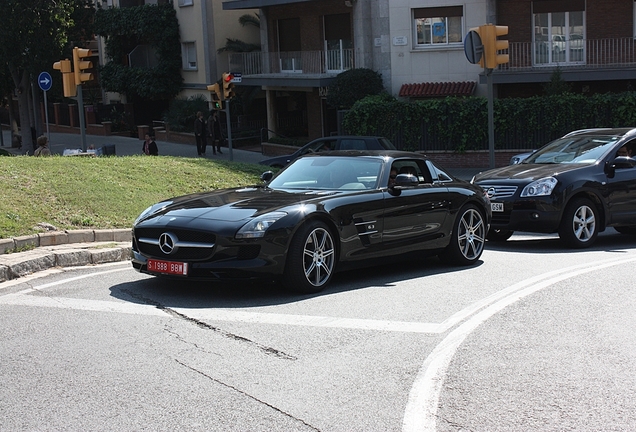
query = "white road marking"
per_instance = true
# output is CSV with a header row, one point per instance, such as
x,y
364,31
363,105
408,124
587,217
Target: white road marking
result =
x,y
421,409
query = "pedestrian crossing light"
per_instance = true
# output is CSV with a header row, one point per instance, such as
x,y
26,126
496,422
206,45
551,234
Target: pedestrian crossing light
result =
x,y
68,79
228,86
215,91
80,66
492,45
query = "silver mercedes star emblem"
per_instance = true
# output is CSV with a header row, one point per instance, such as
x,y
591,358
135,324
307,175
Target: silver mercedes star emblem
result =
x,y
491,192
168,243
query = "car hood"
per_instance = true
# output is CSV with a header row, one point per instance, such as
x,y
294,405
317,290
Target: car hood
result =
x,y
231,205
527,172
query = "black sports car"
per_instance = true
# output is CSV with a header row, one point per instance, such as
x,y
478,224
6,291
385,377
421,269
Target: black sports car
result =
x,y
576,185
320,213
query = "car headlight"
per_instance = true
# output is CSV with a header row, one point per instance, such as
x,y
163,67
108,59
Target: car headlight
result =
x,y
256,227
540,187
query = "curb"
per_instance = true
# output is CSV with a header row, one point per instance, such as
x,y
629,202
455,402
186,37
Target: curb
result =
x,y
62,249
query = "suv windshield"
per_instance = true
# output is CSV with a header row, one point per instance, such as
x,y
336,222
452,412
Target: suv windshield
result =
x,y
577,149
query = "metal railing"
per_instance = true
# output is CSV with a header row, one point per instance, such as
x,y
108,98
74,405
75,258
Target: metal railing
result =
x,y
286,62
581,53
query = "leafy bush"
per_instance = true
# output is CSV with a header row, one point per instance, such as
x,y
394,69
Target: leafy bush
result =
x,y
182,113
460,124
353,85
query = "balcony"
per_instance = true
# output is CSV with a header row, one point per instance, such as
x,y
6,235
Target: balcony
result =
x,y
293,68
578,60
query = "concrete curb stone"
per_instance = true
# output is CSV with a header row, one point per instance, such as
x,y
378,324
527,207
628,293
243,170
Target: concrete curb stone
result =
x,y
63,249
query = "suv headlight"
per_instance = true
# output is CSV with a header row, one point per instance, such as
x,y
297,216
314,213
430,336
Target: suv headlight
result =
x,y
256,227
541,187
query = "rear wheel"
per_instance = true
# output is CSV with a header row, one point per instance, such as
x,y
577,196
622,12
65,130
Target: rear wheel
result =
x,y
467,239
579,226
311,259
496,235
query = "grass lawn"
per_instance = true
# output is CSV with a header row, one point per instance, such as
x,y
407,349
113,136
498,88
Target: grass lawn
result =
x,y
103,192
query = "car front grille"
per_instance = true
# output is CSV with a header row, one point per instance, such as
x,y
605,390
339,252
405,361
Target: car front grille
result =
x,y
192,245
499,191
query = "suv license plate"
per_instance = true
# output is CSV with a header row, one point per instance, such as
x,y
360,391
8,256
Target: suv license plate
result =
x,y
496,207
168,267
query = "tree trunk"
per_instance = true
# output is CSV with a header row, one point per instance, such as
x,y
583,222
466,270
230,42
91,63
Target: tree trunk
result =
x,y
21,82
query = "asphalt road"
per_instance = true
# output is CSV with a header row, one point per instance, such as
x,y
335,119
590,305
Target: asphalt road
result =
x,y
534,338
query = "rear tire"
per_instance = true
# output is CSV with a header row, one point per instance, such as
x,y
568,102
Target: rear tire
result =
x,y
467,239
495,235
311,259
579,226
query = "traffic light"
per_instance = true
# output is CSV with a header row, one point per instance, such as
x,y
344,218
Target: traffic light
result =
x,y
80,66
492,45
217,101
228,86
68,80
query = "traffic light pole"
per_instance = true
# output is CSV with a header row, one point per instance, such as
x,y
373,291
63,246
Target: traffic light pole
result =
x,y
491,119
228,122
80,105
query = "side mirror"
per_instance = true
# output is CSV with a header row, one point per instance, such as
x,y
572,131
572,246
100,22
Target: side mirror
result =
x,y
623,162
267,176
406,180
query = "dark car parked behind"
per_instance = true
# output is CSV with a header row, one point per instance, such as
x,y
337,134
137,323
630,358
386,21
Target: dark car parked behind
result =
x,y
576,185
332,143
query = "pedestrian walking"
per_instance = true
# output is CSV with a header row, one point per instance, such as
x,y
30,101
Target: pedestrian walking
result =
x,y
200,133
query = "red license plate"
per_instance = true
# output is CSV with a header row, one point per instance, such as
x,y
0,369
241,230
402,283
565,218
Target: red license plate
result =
x,y
168,267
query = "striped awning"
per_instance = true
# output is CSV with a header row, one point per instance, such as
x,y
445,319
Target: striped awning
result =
x,y
442,89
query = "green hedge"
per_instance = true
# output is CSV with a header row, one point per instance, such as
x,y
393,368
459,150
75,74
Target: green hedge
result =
x,y
460,124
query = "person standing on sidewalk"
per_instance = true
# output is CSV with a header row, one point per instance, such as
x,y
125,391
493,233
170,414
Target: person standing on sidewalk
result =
x,y
199,133
150,146
43,147
214,131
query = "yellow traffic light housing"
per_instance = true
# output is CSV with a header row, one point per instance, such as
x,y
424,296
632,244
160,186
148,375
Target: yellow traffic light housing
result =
x,y
228,86
492,45
217,101
80,66
68,79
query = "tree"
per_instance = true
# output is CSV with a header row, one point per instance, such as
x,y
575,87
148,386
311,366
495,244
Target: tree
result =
x,y
124,29
33,35
352,85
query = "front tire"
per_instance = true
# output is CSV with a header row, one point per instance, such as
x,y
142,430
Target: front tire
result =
x,y
311,259
468,237
579,226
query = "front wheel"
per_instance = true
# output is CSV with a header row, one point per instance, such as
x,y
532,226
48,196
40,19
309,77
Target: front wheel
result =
x,y
468,237
311,259
579,226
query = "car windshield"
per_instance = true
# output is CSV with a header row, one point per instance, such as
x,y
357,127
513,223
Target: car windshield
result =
x,y
330,172
577,149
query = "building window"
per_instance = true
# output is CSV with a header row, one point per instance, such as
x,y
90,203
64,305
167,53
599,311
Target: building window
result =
x,y
189,55
186,2
559,31
438,25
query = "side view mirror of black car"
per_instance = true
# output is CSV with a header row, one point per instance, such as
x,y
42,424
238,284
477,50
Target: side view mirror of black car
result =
x,y
406,180
267,176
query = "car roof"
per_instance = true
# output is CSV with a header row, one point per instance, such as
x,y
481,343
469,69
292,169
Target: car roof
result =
x,y
394,154
604,131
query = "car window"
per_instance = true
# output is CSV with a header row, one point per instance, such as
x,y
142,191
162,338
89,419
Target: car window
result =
x,y
386,144
437,174
318,146
575,149
327,173
413,167
353,144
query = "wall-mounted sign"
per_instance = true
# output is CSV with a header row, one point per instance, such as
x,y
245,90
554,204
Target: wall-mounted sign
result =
x,y
400,40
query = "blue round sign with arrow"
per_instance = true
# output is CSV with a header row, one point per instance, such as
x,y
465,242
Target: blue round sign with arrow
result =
x,y
45,81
